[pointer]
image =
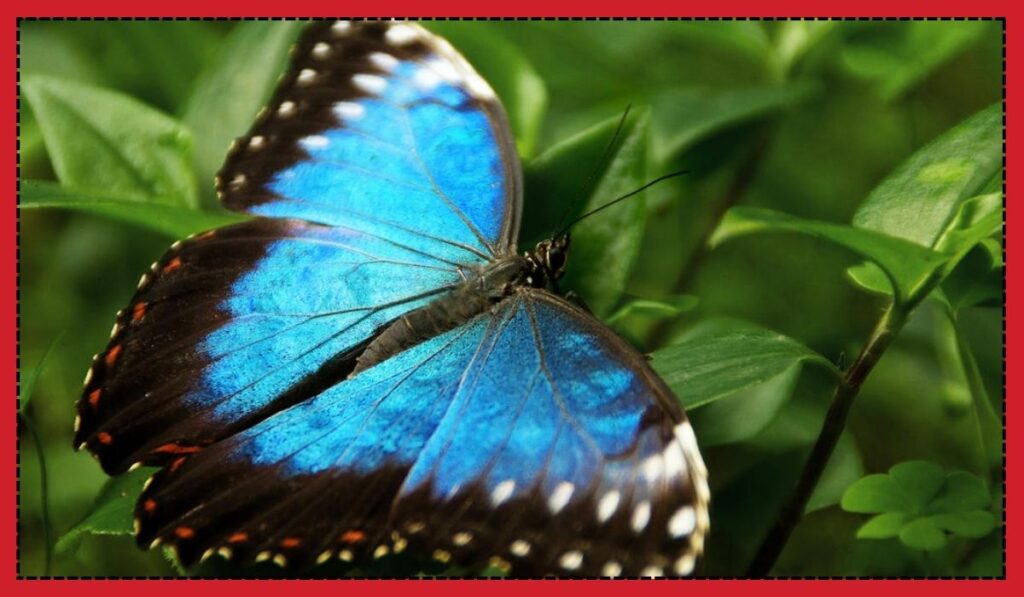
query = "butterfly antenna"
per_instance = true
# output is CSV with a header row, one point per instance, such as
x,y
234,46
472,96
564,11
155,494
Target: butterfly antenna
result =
x,y
632,193
601,166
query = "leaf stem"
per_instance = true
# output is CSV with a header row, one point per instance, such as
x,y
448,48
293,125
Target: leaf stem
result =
x,y
26,418
832,428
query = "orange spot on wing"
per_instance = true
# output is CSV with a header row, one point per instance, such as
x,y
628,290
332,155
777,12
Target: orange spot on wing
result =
x,y
289,542
238,537
149,506
112,355
172,265
173,448
206,235
352,536
184,532
177,463
104,438
94,399
138,311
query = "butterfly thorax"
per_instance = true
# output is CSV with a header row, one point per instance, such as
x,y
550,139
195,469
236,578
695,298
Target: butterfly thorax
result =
x,y
478,293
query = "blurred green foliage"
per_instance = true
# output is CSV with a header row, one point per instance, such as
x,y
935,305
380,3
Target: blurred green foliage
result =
x,y
785,126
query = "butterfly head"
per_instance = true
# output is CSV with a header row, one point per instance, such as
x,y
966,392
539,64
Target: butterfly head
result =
x,y
547,260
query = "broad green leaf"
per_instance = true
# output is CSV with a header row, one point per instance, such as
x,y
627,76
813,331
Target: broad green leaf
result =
x,y
683,117
875,494
507,70
105,141
921,197
112,512
962,492
227,95
744,413
172,220
906,56
883,526
920,480
973,523
705,368
922,534
907,265
977,281
653,310
605,246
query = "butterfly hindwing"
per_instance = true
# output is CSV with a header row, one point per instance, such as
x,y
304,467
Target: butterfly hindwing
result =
x,y
382,124
529,437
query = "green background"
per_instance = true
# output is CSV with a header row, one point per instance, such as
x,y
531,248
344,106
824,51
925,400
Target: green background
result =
x,y
807,118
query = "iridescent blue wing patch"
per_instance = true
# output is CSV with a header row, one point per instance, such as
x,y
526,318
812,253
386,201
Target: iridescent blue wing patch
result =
x,y
234,324
530,438
382,124
386,166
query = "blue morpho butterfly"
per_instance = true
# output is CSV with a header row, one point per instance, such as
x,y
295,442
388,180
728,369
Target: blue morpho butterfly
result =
x,y
368,366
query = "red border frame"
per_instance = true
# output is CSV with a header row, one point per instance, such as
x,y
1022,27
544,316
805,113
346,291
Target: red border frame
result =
x,y
497,588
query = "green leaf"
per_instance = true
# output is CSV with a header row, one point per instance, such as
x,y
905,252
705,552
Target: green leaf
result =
x,y
922,534
746,412
875,494
883,526
507,70
921,197
685,116
920,480
977,281
707,367
232,88
907,265
172,220
653,310
797,38
605,246
112,512
105,141
973,523
901,60
963,491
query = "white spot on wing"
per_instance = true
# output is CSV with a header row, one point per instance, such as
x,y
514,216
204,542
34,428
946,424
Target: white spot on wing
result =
x,y
400,35
257,142
571,560
462,538
370,84
641,516
652,467
349,110
306,76
560,496
341,28
684,565
607,505
426,79
502,491
653,571
611,569
321,50
682,522
314,142
519,548
383,61
286,109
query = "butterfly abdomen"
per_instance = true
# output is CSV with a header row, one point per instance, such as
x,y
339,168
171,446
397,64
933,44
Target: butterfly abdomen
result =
x,y
474,296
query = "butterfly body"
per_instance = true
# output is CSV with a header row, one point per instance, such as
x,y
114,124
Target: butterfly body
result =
x,y
368,366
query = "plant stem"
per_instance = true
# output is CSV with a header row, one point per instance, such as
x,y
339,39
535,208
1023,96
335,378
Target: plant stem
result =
x,y
832,428
44,491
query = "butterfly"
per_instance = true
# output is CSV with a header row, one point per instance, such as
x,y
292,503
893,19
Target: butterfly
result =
x,y
367,366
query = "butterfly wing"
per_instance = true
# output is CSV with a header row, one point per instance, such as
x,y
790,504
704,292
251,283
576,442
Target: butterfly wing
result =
x,y
530,437
383,123
385,167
